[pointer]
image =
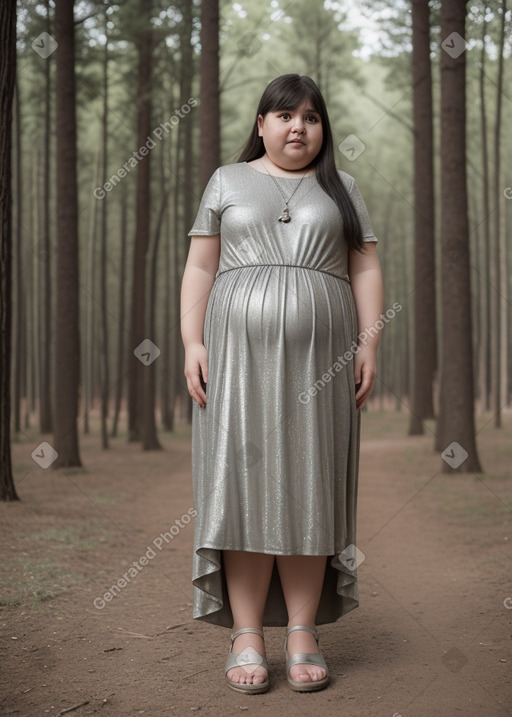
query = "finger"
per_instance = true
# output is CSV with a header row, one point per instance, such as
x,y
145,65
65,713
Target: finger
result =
x,y
204,371
196,390
200,401
365,389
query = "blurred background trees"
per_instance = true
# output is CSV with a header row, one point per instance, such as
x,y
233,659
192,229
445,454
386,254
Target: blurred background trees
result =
x,y
167,91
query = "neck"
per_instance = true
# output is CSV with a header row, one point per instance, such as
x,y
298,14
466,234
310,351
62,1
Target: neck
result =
x,y
280,171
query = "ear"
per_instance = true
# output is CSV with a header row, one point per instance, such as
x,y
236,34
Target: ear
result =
x,y
260,125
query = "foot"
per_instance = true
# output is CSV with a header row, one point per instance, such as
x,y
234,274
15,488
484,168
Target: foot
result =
x,y
248,674
302,641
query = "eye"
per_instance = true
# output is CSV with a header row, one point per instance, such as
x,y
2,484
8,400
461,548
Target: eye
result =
x,y
312,118
284,115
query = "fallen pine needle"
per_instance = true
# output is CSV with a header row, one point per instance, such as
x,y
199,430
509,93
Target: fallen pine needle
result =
x,y
135,634
70,709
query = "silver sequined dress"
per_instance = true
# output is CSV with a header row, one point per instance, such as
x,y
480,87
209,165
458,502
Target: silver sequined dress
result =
x,y
275,452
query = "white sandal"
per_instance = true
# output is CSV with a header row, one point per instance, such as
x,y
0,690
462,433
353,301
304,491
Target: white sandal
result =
x,y
246,658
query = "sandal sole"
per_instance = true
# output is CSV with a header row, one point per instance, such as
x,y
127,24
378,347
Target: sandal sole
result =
x,y
308,686
258,689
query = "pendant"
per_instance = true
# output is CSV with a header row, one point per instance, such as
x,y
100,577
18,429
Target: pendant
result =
x,y
285,216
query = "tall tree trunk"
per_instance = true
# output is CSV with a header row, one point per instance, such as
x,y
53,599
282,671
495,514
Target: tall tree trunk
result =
x,y
178,355
7,79
184,190
45,256
497,273
425,344
90,345
167,418
485,338
185,128
404,383
33,281
149,433
19,343
507,267
122,303
105,379
142,223
67,345
209,113
209,128
456,429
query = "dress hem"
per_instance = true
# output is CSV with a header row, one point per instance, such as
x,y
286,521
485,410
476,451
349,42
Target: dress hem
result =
x,y
211,599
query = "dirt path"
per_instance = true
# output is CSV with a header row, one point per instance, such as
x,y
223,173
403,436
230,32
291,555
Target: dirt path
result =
x,y
432,635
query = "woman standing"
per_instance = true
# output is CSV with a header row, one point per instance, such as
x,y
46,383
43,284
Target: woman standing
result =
x,y
282,275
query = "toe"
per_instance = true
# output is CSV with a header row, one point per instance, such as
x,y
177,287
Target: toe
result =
x,y
305,674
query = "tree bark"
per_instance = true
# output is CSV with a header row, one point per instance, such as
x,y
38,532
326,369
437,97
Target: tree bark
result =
x,y
149,432
7,79
143,216
209,118
67,346
45,256
105,379
20,365
497,273
485,334
122,293
425,343
456,430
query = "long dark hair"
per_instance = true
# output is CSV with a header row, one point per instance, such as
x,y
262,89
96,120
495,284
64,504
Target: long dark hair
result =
x,y
286,93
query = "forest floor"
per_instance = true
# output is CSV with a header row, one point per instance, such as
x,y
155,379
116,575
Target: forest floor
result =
x,y
431,636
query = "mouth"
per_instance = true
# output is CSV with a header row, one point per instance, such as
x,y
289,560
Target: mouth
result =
x,y
295,141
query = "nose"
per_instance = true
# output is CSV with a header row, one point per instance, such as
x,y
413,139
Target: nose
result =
x,y
298,124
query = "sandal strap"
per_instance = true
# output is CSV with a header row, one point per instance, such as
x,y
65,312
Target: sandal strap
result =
x,y
312,630
245,658
244,630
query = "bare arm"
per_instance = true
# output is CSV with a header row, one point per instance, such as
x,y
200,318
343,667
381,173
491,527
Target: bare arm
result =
x,y
198,277
367,287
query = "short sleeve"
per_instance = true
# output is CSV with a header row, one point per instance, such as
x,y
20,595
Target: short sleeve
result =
x,y
207,221
362,213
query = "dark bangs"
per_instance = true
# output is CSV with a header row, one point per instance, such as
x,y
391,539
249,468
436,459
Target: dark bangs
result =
x,y
288,92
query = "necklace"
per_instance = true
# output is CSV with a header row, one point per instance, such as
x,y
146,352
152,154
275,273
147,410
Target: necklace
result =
x,y
285,216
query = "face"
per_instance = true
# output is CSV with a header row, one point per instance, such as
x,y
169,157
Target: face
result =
x,y
292,138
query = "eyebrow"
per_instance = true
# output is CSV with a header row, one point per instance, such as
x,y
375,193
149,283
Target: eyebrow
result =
x,y
285,109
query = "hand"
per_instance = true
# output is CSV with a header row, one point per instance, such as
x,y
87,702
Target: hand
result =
x,y
365,370
196,365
